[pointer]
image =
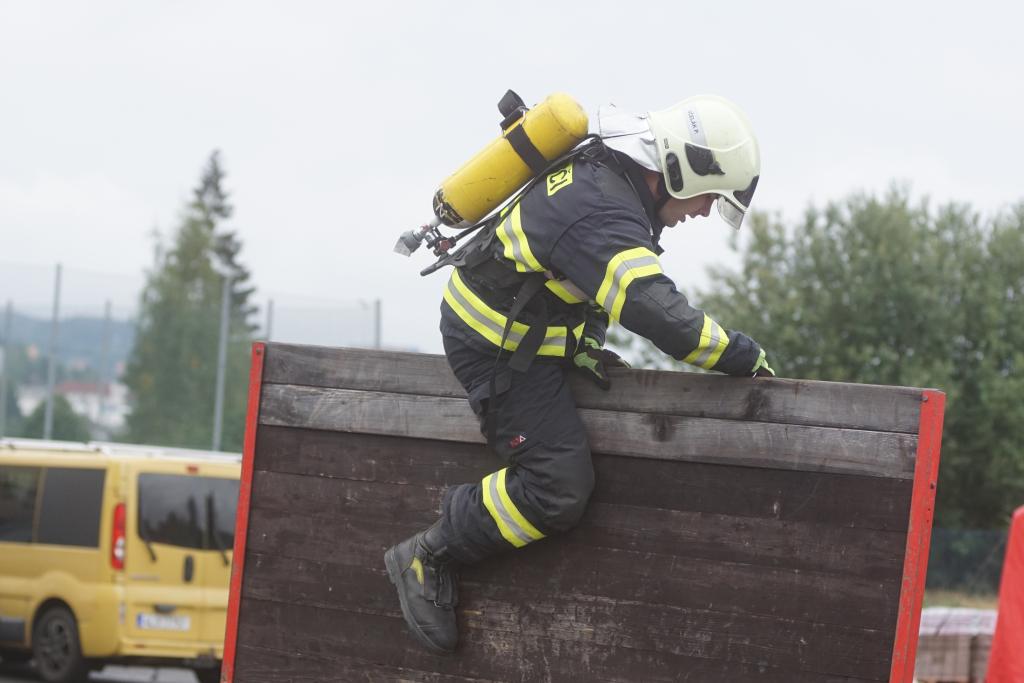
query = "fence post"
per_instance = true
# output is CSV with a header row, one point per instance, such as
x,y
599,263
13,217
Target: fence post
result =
x,y
104,383
51,375
5,368
376,324
222,354
270,319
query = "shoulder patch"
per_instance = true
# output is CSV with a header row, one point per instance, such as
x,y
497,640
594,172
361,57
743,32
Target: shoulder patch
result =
x,y
559,179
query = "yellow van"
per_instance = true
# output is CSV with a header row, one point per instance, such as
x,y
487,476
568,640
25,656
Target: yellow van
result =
x,y
114,553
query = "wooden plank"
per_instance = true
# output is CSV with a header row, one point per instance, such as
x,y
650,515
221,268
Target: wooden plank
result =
x,y
265,665
755,444
785,495
358,526
702,633
805,402
371,457
809,542
804,546
487,654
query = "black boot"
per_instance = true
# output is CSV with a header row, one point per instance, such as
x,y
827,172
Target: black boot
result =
x,y
424,574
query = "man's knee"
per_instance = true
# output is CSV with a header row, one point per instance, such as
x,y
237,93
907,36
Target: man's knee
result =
x,y
563,494
573,504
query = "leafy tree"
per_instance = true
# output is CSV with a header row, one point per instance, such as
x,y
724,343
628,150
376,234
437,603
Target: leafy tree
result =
x,y
67,424
172,368
12,424
885,291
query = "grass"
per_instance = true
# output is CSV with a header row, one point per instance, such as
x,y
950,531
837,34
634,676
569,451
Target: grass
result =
x,y
946,598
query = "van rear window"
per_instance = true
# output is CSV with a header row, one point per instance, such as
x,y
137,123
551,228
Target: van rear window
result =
x,y
72,504
187,511
222,511
18,487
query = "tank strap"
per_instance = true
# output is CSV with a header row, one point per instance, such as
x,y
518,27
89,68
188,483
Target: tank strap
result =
x,y
526,150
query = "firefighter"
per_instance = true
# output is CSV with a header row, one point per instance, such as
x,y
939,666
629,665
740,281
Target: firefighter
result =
x,y
578,249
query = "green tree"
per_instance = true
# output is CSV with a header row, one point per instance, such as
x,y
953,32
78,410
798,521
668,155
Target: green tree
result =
x,y
67,424
881,290
12,423
171,371
20,370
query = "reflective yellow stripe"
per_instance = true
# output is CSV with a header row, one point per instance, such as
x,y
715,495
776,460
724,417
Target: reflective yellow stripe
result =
x,y
559,290
514,528
417,567
517,248
625,267
713,341
577,332
490,324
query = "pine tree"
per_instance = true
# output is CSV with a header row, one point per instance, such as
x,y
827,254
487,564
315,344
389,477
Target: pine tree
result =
x,y
171,371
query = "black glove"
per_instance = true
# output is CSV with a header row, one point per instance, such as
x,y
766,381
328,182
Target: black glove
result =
x,y
593,361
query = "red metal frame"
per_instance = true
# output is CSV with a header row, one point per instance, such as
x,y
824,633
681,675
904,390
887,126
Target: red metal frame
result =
x,y
919,536
242,517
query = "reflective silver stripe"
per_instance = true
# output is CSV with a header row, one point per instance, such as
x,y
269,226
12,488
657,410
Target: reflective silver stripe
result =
x,y
624,267
567,286
553,339
517,247
482,319
712,344
499,507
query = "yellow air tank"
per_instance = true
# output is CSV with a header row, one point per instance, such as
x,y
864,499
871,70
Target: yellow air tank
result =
x,y
530,140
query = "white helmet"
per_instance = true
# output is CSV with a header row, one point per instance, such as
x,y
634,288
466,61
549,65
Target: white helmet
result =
x,y
706,145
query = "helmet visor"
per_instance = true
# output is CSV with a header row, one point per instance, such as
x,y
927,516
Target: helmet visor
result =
x,y
733,211
731,214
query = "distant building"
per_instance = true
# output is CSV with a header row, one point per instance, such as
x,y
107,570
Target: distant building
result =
x,y
104,405
30,396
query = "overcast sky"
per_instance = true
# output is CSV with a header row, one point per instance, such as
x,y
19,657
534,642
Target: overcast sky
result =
x,y
336,122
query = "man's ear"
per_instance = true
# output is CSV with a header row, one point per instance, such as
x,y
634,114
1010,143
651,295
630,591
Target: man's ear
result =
x,y
655,183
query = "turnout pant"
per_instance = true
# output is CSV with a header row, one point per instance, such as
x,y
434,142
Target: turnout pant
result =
x,y
546,475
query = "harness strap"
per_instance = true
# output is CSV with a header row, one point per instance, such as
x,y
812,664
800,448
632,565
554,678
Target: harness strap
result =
x,y
527,350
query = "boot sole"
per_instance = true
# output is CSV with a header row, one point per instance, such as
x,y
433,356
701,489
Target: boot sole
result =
x,y
395,576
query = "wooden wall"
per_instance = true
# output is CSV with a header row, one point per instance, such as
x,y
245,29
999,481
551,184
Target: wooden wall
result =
x,y
740,530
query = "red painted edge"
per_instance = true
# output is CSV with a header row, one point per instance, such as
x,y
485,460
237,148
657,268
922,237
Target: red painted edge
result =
x,y
919,536
227,669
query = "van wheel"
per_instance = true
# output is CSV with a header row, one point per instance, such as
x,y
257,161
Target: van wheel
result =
x,y
56,648
208,675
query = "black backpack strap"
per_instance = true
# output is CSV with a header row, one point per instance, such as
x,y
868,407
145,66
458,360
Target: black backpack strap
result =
x,y
527,350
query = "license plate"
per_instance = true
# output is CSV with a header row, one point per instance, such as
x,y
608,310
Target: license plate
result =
x,y
162,622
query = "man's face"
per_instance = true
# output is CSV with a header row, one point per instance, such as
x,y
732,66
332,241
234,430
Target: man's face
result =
x,y
678,210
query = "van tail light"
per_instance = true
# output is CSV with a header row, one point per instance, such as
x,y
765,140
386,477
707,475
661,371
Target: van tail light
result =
x,y
117,538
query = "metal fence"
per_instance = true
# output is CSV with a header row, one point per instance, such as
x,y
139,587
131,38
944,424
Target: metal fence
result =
x,y
66,331
966,561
